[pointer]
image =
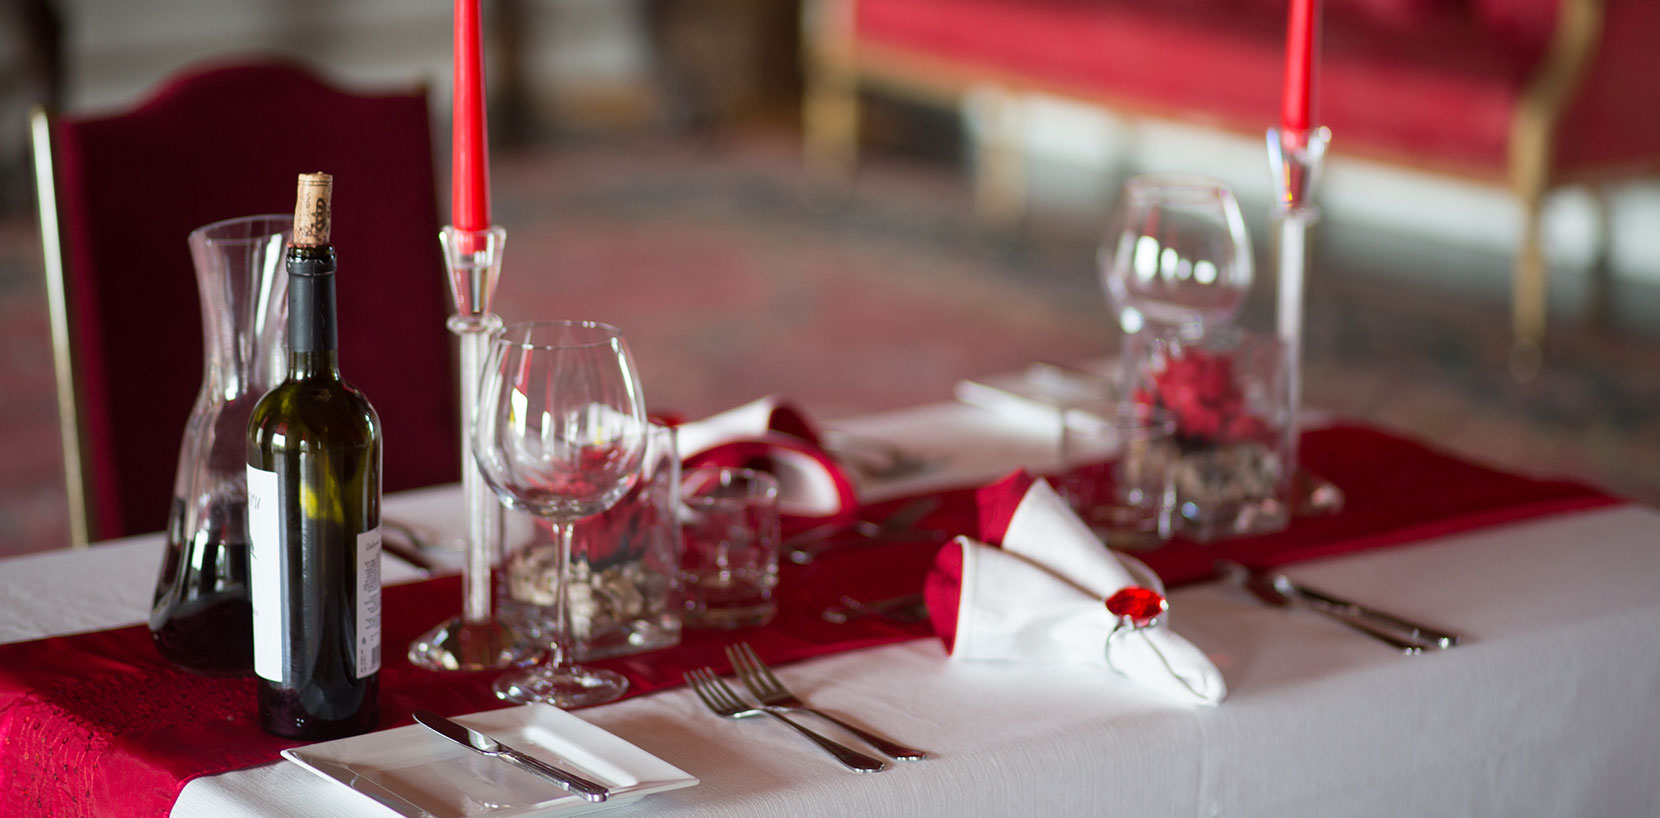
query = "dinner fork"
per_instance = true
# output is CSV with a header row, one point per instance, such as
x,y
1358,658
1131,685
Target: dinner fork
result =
x,y
723,702
776,698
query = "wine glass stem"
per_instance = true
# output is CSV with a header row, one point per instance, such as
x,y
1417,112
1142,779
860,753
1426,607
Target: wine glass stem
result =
x,y
564,653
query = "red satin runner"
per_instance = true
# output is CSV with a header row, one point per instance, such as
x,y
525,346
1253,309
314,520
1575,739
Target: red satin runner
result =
x,y
99,724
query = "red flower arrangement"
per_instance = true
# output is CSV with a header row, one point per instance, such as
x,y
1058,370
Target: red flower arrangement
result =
x,y
1200,390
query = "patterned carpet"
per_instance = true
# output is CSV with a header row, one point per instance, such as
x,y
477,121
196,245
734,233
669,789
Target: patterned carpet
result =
x,y
734,281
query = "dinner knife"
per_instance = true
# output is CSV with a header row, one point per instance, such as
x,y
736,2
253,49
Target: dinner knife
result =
x,y
481,743
1417,630
1266,592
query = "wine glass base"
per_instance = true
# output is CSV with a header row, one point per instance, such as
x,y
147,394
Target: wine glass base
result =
x,y
458,645
565,687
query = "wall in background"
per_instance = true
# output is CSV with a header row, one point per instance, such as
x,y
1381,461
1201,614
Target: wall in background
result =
x,y
116,49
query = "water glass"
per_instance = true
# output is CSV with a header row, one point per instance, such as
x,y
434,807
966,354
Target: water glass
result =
x,y
730,565
1115,460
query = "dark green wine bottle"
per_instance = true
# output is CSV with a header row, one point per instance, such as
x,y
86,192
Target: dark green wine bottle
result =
x,y
314,513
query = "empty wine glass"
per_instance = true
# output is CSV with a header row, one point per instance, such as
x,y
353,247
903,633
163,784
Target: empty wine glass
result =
x,y
1178,257
560,432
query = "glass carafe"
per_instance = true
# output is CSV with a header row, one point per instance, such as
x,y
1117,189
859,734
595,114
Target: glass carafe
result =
x,y
201,616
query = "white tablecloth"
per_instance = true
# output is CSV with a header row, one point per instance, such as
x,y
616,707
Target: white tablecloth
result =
x,y
1548,709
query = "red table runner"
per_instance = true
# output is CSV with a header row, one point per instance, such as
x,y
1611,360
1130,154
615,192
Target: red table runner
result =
x,y
98,724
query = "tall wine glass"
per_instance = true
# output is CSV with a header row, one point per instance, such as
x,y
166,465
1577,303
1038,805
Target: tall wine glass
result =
x,y
1177,259
560,432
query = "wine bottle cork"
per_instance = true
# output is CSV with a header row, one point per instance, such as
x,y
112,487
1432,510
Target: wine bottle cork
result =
x,y
311,210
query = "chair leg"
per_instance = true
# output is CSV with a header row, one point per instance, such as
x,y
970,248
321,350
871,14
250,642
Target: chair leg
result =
x,y
1599,297
830,125
1528,294
1532,141
1000,166
830,100
78,484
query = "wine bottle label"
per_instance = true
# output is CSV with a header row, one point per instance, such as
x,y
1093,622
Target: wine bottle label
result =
x,y
265,568
266,561
368,602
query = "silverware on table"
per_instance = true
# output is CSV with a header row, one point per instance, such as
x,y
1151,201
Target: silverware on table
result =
x,y
898,527
774,696
1433,636
724,703
423,537
906,609
1266,591
876,459
481,743
409,552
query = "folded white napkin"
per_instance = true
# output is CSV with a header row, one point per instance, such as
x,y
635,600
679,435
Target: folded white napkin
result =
x,y
1041,598
775,436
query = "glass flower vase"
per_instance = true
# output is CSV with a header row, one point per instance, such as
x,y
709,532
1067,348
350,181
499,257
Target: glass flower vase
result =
x,y
1232,458
623,585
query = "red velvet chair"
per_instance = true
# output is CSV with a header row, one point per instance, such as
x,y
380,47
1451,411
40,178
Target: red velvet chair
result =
x,y
121,193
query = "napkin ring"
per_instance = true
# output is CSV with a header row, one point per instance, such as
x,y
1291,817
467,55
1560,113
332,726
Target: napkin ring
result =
x,y
1136,609
1139,609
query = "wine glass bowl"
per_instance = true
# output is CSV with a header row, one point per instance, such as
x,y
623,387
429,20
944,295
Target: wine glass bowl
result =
x,y
560,432
1177,257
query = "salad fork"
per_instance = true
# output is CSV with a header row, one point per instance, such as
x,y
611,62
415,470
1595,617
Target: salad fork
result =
x,y
724,703
776,698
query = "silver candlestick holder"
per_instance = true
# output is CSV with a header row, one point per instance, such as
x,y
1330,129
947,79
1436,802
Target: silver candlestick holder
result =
x,y
1295,159
476,639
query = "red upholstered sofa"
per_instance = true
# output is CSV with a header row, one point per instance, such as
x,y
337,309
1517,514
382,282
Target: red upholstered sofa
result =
x,y
1528,93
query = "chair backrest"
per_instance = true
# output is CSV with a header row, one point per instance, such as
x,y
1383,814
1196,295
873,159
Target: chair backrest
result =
x,y
213,143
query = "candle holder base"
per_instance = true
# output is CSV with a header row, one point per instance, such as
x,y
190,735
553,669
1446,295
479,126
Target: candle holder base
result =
x,y
458,645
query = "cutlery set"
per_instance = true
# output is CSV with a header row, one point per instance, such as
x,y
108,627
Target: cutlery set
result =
x,y
775,700
1279,591
771,699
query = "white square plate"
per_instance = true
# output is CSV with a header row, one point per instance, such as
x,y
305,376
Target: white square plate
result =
x,y
416,773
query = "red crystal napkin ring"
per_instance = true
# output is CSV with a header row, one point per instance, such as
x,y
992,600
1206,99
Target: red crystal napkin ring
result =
x,y
1139,609
1136,608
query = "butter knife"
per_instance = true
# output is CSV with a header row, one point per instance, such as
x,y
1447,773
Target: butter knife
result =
x,y
481,743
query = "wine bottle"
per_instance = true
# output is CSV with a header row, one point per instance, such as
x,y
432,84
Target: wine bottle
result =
x,y
314,457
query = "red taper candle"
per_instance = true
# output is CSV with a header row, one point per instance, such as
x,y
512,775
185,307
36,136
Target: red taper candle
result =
x,y
470,177
1295,117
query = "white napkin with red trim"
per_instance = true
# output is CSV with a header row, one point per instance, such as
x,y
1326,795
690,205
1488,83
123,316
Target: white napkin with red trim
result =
x,y
1036,593
772,435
